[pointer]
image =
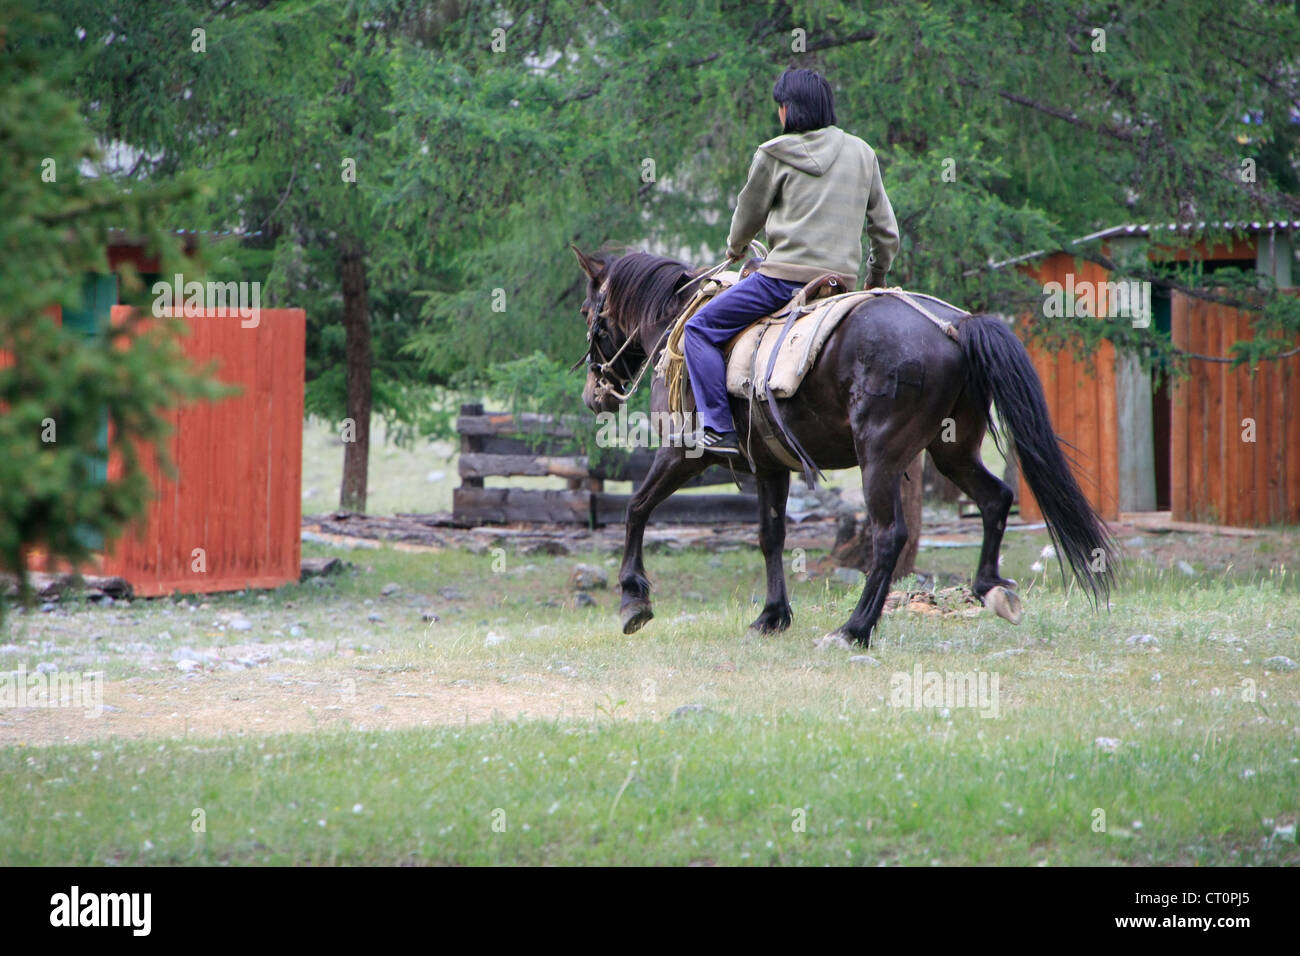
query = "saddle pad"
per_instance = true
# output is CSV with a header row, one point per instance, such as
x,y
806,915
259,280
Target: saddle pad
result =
x,y
751,350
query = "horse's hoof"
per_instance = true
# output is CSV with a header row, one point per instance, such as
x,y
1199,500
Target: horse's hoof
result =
x,y
766,625
635,615
834,641
1005,604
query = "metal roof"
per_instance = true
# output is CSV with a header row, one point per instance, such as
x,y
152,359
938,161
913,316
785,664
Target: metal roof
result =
x,y
1147,229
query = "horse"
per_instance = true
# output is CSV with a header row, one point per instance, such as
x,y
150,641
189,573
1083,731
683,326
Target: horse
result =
x,y
887,384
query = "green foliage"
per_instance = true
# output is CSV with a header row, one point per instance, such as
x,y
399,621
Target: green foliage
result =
x,y
481,155
538,383
1050,137
60,388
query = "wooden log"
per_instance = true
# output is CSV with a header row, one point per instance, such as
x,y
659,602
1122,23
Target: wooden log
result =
x,y
686,509
509,445
504,423
470,444
473,465
505,505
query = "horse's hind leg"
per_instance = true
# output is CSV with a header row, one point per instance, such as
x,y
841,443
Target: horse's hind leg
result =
x,y
773,489
881,484
960,461
670,469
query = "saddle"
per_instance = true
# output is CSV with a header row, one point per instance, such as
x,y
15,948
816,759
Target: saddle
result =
x,y
769,359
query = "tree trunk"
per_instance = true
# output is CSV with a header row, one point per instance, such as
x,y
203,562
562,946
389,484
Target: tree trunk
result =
x,y
853,543
913,496
359,359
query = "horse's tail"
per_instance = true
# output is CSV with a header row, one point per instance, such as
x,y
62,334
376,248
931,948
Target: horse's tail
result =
x,y
999,369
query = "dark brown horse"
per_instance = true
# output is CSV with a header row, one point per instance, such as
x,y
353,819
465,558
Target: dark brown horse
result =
x,y
887,384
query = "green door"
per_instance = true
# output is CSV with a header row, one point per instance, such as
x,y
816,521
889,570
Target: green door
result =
x,y
91,320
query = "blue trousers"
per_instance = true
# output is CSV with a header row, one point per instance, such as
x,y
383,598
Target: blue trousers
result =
x,y
710,328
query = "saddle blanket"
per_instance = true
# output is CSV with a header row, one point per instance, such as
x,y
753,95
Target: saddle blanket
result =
x,y
750,352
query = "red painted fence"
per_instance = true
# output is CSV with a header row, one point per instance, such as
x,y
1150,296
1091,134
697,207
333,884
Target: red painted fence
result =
x,y
232,517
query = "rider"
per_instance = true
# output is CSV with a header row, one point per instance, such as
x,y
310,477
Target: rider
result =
x,y
811,190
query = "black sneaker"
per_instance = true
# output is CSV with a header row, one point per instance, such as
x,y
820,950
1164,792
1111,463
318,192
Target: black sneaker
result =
x,y
717,443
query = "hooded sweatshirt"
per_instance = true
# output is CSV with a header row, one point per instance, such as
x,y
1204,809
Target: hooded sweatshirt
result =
x,y
811,193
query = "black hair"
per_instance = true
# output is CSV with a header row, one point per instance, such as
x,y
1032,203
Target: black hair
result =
x,y
807,98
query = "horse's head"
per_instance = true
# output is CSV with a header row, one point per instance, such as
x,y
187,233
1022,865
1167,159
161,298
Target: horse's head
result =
x,y
631,301
603,337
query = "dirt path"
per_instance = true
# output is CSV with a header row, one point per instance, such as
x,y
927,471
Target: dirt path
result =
x,y
257,702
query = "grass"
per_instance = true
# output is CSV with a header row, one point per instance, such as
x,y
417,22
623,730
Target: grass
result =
x,y
692,742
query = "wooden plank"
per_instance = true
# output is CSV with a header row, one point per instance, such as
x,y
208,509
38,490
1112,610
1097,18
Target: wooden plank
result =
x,y
1086,430
294,348
1276,451
227,416
1179,394
504,423
1107,432
164,514
1195,417
261,382
245,492
508,445
194,427
1046,369
1244,405
686,509
1289,510
470,444
1064,421
282,490
1232,506
1258,404
504,505
1216,436
1264,433
1087,403
475,465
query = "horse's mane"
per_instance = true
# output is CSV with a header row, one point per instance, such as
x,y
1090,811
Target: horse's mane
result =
x,y
642,287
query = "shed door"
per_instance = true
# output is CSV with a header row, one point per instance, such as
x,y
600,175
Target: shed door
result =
x,y
1234,433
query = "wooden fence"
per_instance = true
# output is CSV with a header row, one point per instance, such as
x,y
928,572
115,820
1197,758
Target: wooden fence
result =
x,y
499,444
1235,436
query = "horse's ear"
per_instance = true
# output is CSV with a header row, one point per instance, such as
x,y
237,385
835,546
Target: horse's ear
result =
x,y
592,266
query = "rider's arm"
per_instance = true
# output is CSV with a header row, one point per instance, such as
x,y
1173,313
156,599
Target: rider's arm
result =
x,y
882,228
752,206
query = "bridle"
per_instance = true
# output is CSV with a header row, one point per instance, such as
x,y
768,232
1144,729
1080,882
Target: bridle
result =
x,y
594,356
598,364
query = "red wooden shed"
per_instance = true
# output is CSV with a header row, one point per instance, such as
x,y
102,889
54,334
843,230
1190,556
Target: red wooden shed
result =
x,y
1221,446
231,518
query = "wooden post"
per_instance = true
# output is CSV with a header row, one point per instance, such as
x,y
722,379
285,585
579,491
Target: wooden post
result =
x,y
913,496
853,548
471,444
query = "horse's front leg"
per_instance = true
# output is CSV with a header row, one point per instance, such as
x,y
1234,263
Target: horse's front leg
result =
x,y
773,490
670,469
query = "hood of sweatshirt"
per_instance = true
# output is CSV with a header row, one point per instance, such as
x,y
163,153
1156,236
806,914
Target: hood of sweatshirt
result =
x,y
813,152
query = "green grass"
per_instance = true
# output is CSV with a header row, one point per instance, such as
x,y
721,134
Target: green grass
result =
x,y
872,787
1201,773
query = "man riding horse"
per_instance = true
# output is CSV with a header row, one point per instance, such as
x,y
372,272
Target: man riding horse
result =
x,y
810,189
893,378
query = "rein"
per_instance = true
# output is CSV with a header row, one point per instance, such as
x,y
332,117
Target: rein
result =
x,y
603,367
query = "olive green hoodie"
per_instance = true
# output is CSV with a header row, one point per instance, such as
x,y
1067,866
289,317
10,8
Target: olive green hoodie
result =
x,y
811,193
